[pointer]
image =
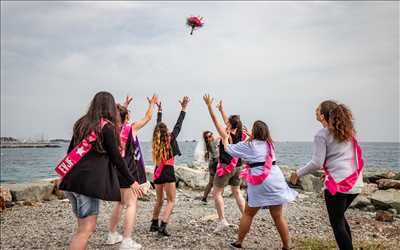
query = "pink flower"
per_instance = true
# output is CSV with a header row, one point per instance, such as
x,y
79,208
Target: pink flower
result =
x,y
194,22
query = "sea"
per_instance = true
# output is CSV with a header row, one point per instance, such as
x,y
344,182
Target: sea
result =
x,y
31,164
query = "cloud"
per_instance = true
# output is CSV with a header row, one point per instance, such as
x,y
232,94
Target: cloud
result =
x,y
267,60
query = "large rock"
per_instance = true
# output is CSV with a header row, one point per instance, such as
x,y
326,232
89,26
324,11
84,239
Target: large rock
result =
x,y
369,188
371,177
360,201
37,191
386,199
311,183
388,183
196,179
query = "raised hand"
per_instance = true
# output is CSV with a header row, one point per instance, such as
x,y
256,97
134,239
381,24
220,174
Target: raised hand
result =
x,y
208,100
184,102
219,106
153,100
128,100
159,106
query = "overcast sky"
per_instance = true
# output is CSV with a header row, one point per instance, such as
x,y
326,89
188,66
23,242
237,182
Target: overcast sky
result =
x,y
274,61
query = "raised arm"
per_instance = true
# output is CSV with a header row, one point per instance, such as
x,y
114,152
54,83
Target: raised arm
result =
x,y
147,117
221,131
224,115
177,128
127,101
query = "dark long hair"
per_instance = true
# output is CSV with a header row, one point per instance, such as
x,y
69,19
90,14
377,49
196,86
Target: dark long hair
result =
x,y
340,120
237,124
261,132
207,144
102,106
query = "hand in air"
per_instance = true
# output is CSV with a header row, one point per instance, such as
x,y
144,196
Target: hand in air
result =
x,y
184,102
208,100
159,106
137,189
153,100
128,100
220,107
294,179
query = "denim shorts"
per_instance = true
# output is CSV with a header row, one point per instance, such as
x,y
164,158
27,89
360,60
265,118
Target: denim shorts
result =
x,y
82,205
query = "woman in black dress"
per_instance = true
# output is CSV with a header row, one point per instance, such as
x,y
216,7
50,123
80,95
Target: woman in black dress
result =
x,y
164,149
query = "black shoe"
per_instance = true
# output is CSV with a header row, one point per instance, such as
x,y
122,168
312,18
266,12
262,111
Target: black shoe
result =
x,y
162,230
154,226
234,245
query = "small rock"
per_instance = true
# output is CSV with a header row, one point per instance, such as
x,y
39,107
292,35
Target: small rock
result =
x,y
384,216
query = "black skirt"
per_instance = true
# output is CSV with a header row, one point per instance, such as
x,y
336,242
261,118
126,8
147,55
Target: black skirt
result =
x,y
167,175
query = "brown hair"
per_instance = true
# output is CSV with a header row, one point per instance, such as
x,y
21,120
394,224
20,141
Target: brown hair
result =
x,y
236,123
102,106
160,145
123,112
340,120
207,144
261,132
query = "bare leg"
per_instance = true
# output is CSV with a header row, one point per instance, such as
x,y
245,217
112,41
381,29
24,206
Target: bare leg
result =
x,y
115,217
130,201
159,201
208,187
86,227
219,202
238,197
170,190
281,224
245,222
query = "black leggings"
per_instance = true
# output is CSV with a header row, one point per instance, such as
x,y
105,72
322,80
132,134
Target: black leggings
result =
x,y
337,205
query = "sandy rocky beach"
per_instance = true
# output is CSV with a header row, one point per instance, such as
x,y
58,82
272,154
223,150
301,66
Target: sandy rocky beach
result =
x,y
36,216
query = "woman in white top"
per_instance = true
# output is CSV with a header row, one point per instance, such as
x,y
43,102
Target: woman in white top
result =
x,y
266,184
336,150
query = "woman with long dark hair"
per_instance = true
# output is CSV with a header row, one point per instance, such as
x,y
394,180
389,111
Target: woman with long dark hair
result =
x,y
131,152
336,150
266,184
164,149
210,155
95,176
228,167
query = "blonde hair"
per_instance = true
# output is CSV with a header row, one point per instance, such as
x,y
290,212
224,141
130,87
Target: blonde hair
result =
x,y
160,144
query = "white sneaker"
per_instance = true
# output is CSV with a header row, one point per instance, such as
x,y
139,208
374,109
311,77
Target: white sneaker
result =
x,y
129,244
113,238
221,226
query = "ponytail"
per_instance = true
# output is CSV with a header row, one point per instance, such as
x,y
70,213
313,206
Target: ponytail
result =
x,y
341,123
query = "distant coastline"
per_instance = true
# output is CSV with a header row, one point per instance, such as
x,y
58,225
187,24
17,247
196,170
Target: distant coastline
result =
x,y
10,142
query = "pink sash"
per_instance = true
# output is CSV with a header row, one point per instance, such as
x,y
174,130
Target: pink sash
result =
x,y
258,179
77,153
221,170
158,170
124,135
349,182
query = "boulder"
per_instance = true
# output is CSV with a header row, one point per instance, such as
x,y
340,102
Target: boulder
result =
x,y
360,201
386,199
196,179
388,183
311,183
37,191
384,216
369,188
372,177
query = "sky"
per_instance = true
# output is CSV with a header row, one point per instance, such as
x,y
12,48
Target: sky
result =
x,y
270,61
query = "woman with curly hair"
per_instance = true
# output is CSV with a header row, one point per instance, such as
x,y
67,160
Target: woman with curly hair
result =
x,y
164,149
336,150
